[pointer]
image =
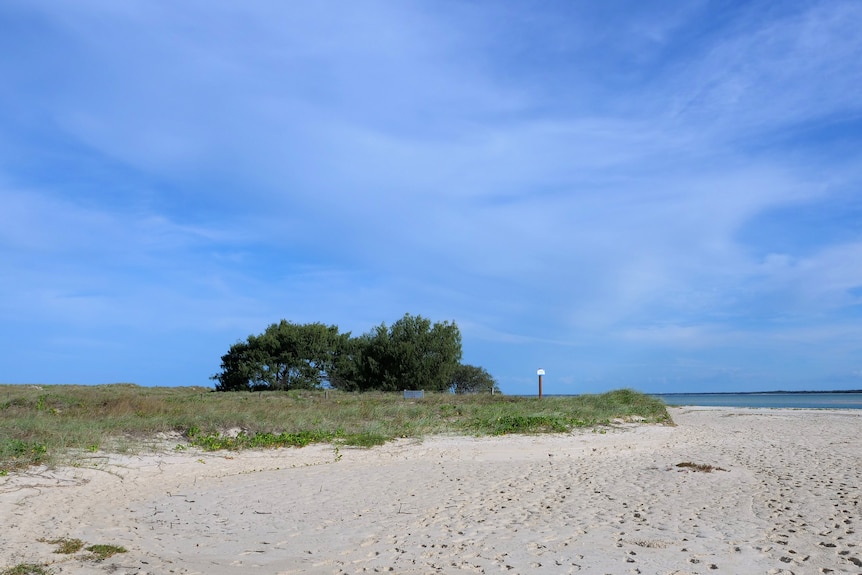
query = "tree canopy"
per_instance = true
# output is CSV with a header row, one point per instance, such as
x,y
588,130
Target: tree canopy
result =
x,y
412,353
285,356
473,379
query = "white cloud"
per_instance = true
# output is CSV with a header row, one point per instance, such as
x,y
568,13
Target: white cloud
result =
x,y
547,179
771,72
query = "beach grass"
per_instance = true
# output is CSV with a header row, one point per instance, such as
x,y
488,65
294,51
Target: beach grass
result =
x,y
703,467
64,545
27,569
55,423
101,552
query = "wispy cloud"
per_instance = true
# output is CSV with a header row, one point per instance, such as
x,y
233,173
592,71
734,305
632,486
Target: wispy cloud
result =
x,y
563,178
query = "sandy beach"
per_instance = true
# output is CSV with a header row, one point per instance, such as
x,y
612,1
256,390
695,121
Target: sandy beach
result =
x,y
786,500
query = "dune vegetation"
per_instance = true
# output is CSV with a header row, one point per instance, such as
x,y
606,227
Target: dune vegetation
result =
x,y
54,424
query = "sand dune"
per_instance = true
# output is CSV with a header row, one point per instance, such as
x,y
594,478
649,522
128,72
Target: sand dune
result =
x,y
786,501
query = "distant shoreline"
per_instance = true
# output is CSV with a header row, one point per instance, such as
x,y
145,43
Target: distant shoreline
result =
x,y
662,394
837,399
754,392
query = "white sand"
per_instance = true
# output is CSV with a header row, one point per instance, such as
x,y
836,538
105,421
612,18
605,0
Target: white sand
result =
x,y
588,502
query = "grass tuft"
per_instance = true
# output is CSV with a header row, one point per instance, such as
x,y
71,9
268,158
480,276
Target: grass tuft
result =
x,y
102,552
705,468
64,545
366,440
27,569
260,440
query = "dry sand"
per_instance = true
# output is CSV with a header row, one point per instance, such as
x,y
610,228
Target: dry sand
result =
x,y
588,502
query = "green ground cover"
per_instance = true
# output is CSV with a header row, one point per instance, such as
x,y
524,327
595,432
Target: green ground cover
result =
x,y
51,424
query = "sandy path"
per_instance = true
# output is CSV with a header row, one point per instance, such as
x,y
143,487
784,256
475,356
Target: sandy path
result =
x,y
589,502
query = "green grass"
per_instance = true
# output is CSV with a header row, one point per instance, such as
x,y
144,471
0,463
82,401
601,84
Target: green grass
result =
x,y
57,424
65,546
27,569
102,552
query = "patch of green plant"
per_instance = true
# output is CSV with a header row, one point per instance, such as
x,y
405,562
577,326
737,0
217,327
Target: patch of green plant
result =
x,y
448,410
64,545
16,453
506,424
260,440
27,569
102,552
366,440
16,402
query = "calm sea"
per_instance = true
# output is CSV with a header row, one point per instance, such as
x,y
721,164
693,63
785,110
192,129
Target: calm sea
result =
x,y
817,400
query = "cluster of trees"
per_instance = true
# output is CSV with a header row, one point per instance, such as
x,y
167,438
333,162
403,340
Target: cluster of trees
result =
x,y
412,353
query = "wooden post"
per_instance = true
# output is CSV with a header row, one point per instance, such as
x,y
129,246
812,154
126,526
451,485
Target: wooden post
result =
x,y
540,373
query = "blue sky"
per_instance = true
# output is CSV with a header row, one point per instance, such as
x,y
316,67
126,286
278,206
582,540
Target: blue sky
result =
x,y
665,196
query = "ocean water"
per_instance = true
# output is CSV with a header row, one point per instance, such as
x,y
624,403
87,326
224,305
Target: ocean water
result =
x,y
808,400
